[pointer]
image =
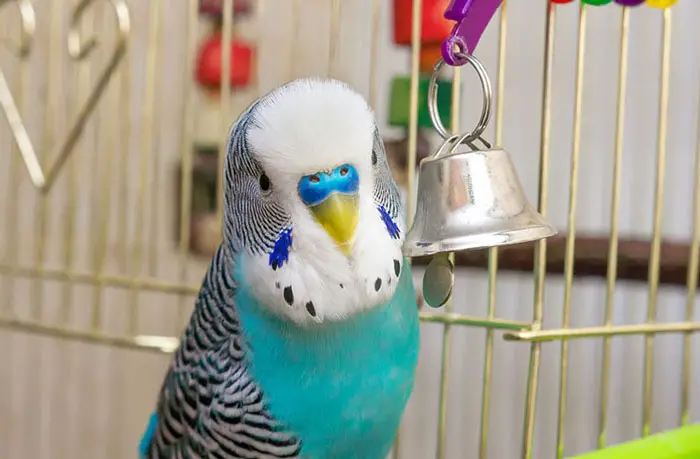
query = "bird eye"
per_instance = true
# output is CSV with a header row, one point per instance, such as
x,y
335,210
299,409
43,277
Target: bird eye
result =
x,y
344,171
374,158
314,179
265,184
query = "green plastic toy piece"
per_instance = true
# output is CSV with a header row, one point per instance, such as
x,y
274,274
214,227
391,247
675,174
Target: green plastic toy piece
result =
x,y
683,443
400,97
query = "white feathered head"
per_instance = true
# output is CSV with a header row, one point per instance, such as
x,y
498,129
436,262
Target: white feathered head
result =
x,y
311,207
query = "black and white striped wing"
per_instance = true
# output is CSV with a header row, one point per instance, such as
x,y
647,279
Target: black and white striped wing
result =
x,y
209,406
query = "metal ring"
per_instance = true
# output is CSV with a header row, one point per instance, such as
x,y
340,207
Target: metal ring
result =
x,y
456,140
487,95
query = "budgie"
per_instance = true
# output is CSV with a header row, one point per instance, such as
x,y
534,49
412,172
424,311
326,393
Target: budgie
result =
x,y
303,342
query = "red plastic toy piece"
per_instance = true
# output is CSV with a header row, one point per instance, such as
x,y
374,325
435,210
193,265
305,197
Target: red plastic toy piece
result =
x,y
215,7
434,27
209,63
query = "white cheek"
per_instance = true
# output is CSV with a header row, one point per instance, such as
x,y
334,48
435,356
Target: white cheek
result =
x,y
303,291
377,259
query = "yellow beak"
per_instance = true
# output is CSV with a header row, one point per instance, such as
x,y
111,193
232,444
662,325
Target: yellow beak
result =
x,y
338,215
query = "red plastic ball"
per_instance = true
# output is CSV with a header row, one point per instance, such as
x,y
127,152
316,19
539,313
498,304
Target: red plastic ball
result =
x,y
208,70
434,27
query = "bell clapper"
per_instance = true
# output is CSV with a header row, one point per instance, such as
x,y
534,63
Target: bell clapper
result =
x,y
438,280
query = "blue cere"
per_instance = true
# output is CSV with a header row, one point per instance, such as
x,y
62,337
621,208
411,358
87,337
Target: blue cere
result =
x,y
314,188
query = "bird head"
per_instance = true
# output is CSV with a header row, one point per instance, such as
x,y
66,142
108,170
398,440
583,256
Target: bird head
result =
x,y
311,207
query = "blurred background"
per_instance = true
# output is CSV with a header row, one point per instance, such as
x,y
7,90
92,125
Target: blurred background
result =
x,y
98,274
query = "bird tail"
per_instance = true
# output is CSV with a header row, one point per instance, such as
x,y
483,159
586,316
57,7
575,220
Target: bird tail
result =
x,y
148,436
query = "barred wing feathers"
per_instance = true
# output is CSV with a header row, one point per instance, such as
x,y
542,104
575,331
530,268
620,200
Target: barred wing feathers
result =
x,y
209,405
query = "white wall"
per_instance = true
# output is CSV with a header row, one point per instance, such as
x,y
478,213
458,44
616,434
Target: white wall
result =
x,y
71,400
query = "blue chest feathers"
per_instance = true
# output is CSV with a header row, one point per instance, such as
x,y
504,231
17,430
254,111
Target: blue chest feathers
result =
x,y
341,388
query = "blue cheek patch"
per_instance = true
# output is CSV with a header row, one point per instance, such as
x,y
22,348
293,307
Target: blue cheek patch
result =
x,y
324,184
391,225
280,252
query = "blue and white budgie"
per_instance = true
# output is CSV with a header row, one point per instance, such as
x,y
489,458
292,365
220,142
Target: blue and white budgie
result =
x,y
304,338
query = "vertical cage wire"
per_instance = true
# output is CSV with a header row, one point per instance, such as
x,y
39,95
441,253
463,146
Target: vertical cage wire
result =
x,y
446,342
19,89
540,269
493,251
455,105
416,23
614,221
187,160
154,152
571,225
145,163
125,133
7,308
691,286
37,296
37,299
104,185
654,263
81,74
225,91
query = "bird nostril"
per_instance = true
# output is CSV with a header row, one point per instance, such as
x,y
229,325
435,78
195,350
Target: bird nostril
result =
x,y
344,171
314,179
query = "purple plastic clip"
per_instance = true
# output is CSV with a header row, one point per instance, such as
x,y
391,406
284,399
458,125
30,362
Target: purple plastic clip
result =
x,y
472,17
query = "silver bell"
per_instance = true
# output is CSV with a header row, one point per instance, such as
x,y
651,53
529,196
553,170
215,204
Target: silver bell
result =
x,y
471,199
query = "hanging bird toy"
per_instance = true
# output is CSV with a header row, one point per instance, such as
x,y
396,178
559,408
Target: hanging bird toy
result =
x,y
469,194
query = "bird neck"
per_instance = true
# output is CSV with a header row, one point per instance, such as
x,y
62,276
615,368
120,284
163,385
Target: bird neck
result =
x,y
332,341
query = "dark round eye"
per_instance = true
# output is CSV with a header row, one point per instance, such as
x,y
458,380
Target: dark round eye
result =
x,y
314,179
265,183
374,158
344,171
